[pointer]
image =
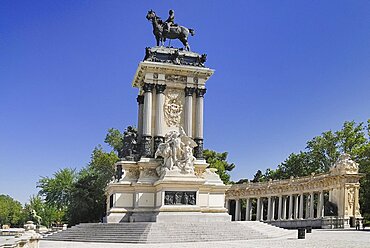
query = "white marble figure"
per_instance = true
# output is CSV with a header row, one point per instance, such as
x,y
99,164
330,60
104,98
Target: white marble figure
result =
x,y
344,165
177,153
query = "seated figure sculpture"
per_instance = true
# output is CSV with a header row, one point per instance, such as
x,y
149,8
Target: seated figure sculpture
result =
x,y
177,153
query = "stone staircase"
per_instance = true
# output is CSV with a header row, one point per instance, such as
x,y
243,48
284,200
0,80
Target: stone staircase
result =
x,y
171,232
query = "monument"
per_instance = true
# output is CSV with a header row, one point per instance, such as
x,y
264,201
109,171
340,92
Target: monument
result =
x,y
162,175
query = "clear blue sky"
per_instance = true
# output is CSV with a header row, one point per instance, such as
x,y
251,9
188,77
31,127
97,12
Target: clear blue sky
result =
x,y
285,72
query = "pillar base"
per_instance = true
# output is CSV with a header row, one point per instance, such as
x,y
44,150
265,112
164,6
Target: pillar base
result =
x,y
198,150
157,140
146,147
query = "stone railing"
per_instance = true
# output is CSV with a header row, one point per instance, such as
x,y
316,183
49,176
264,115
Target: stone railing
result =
x,y
293,200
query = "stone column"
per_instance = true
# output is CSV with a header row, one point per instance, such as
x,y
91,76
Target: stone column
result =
x,y
301,206
262,206
247,210
188,125
269,208
284,207
290,207
140,101
198,151
320,210
311,205
307,207
273,208
237,210
279,206
146,141
227,205
159,114
296,207
356,204
258,210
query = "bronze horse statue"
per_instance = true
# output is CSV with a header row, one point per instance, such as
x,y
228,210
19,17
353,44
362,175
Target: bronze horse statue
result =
x,y
175,32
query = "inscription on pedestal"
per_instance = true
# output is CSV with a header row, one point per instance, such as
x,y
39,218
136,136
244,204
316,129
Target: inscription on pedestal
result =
x,y
180,198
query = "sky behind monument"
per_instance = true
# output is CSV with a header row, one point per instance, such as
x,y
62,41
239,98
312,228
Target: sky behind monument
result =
x,y
285,72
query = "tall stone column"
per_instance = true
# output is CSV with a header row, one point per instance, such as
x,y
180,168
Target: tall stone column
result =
x,y
258,214
146,140
307,207
227,205
279,207
269,208
140,101
198,151
311,205
159,114
296,207
301,206
237,210
284,207
290,207
247,210
188,126
356,204
273,200
262,206
320,210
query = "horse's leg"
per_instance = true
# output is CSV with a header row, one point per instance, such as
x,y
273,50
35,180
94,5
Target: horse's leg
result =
x,y
157,38
185,43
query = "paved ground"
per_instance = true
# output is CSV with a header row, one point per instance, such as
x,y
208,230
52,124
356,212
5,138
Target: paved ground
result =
x,y
318,238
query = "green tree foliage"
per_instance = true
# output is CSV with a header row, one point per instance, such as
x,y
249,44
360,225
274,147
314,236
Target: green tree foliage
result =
x,y
57,189
11,212
88,195
218,161
114,139
49,213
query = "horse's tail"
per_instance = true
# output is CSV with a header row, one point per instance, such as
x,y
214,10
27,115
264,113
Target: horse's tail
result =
x,y
192,32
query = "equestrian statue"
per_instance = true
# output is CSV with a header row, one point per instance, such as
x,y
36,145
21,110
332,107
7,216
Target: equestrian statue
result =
x,y
163,30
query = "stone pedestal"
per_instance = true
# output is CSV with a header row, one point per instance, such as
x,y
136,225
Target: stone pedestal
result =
x,y
142,196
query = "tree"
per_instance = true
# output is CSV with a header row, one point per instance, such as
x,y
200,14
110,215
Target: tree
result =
x,y
114,139
11,212
88,194
49,214
57,189
258,177
218,161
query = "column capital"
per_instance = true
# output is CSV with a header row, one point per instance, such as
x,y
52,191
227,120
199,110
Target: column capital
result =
x,y
201,92
148,87
140,99
159,88
189,91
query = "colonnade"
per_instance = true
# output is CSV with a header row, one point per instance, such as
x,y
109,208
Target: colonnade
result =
x,y
305,205
145,108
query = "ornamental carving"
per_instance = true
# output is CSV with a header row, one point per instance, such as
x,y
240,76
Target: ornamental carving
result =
x,y
177,153
147,172
173,108
133,173
180,198
174,78
351,193
344,165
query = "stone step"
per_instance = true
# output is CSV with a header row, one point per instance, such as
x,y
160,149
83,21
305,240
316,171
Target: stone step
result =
x,y
168,232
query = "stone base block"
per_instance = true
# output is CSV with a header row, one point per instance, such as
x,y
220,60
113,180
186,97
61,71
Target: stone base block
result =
x,y
172,217
117,217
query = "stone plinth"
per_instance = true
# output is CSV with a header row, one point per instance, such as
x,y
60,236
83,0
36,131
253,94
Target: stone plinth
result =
x,y
141,195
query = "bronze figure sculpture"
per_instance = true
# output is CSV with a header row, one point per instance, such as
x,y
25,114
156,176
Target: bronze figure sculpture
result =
x,y
168,29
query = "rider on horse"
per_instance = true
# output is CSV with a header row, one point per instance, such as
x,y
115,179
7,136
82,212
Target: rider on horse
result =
x,y
170,21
